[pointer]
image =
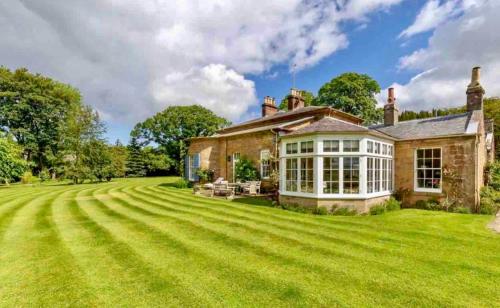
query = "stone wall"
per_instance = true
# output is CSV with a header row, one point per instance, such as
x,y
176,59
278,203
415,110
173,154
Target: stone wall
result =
x,y
458,155
360,205
214,152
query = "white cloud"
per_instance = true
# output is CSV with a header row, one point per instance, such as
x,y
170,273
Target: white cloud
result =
x,y
133,58
214,85
445,64
436,12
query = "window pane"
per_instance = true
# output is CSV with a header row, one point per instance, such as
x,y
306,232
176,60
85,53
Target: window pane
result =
x,y
330,146
330,175
370,147
420,153
351,175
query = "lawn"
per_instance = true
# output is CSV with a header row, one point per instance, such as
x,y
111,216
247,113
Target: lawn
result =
x,y
137,242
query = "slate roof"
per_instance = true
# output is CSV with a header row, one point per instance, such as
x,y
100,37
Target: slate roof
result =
x,y
328,124
282,116
458,124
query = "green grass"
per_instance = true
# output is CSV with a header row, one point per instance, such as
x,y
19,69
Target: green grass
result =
x,y
136,242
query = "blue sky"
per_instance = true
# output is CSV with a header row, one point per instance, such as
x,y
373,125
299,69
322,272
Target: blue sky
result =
x,y
132,59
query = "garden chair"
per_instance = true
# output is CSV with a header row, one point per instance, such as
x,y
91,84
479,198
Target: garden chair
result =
x,y
223,189
211,185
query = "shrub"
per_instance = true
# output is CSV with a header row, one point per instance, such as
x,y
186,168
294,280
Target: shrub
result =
x,y
461,210
392,204
245,170
27,178
490,201
493,175
44,175
421,204
320,210
182,183
342,211
377,209
205,175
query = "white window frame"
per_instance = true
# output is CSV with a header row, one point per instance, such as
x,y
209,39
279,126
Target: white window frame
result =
x,y
415,181
319,154
263,159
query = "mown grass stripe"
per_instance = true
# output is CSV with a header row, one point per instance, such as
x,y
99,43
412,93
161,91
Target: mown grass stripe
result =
x,y
158,290
443,264
36,246
258,283
309,265
396,239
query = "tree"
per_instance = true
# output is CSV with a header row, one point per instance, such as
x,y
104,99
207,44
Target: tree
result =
x,y
118,154
352,93
12,166
492,111
97,160
308,100
83,130
156,162
135,162
33,108
172,128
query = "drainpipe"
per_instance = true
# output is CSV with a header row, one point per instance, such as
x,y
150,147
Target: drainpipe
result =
x,y
477,197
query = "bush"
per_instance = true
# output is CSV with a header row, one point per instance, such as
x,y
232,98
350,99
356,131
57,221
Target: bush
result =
x,y
27,178
392,204
320,210
493,175
421,204
205,175
182,183
461,210
245,170
342,211
490,201
377,209
44,175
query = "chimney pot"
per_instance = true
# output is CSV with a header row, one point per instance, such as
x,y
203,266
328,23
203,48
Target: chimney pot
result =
x,y
390,97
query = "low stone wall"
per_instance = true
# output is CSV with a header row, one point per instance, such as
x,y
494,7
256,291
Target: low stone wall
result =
x,y
360,205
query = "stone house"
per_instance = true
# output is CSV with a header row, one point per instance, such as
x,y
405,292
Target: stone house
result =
x,y
326,157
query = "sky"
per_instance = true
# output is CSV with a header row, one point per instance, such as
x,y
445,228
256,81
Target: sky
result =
x,y
133,58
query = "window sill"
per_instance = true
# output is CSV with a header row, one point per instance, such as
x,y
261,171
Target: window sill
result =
x,y
428,190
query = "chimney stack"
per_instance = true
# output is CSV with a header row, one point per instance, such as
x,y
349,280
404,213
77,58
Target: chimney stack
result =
x,y
295,100
269,106
391,111
475,91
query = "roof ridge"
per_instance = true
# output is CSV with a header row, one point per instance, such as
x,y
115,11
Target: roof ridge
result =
x,y
438,117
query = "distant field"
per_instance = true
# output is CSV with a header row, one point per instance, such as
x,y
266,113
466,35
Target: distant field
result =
x,y
138,243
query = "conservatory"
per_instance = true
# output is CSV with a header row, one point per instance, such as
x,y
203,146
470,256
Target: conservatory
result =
x,y
336,168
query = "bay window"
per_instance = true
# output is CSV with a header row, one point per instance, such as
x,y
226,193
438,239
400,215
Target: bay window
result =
x,y
338,167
